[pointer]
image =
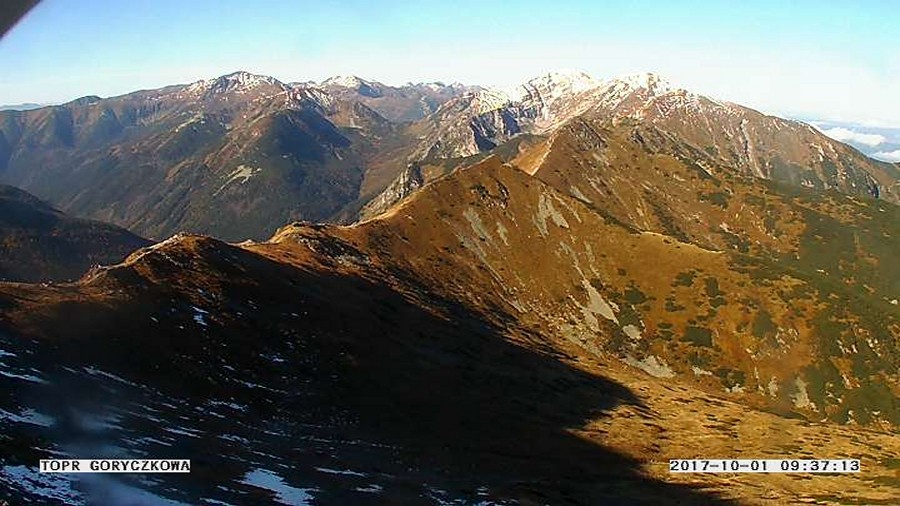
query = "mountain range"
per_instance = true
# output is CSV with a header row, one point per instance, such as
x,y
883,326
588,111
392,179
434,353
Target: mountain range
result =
x,y
453,295
20,107
236,156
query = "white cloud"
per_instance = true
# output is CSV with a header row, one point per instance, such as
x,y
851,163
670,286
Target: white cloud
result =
x,y
847,135
887,156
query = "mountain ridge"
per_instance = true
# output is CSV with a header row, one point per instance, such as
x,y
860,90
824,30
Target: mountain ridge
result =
x,y
40,244
749,135
166,160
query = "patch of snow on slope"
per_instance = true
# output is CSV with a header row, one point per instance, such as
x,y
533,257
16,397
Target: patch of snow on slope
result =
x,y
652,365
284,493
655,84
48,486
344,81
242,173
200,316
28,416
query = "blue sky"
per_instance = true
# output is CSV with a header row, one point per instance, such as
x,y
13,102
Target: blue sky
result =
x,y
823,59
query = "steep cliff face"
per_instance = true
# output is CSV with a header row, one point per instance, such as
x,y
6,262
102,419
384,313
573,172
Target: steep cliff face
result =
x,y
406,183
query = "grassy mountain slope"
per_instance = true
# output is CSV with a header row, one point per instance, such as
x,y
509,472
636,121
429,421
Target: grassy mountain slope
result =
x,y
773,330
235,156
258,325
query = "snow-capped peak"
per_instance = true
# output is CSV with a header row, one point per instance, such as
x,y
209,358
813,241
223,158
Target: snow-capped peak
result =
x,y
654,84
433,86
573,80
359,85
239,81
304,84
246,79
556,84
345,81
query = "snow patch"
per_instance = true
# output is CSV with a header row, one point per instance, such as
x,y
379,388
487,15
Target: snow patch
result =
x,y
801,396
237,82
772,387
184,431
547,210
487,100
200,316
93,371
284,493
345,472
346,82
50,486
242,173
553,86
28,416
24,377
655,84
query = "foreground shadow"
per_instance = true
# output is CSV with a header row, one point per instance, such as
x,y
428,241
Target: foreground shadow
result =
x,y
438,404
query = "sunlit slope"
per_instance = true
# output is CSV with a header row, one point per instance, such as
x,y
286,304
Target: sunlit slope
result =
x,y
772,330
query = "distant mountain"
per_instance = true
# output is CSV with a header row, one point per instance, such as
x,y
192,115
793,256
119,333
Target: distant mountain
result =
x,y
39,243
241,154
234,156
407,103
744,140
646,177
20,107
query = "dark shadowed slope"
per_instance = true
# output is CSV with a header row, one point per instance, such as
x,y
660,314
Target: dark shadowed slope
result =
x,y
39,243
326,370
